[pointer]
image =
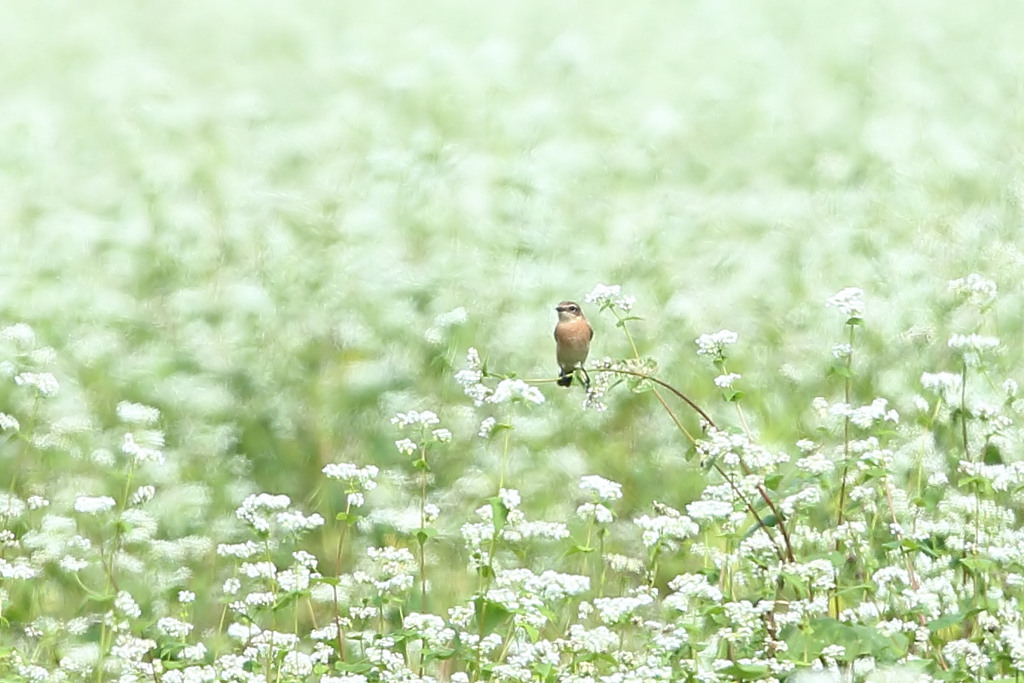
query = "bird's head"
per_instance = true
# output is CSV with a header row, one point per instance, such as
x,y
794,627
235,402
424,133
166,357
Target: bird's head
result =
x,y
569,311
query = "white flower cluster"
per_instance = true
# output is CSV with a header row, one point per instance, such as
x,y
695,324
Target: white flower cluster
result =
x,y
594,400
430,627
735,449
861,416
471,378
709,510
966,654
414,418
146,449
1001,477
44,382
93,505
515,389
260,511
362,477
596,512
549,586
610,296
423,420
941,383
616,610
596,641
486,427
444,321
973,342
974,288
603,489
357,480
9,423
849,302
508,390
691,587
137,413
876,411
21,334
714,344
477,535
393,570
666,528
726,381
406,446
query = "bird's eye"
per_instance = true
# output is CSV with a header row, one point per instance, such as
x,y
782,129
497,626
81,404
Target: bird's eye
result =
x,y
574,309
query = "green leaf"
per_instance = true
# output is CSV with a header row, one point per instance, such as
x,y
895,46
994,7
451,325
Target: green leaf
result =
x,y
499,512
500,426
841,371
360,667
581,549
992,455
770,520
639,385
102,598
490,615
542,671
440,653
349,518
856,589
425,534
978,564
744,672
947,621
930,498
857,641
966,482
914,545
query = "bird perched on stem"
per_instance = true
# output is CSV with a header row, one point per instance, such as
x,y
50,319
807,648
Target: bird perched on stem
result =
x,y
572,338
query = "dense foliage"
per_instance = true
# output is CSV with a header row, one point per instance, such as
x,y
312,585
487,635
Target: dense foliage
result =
x,y
276,367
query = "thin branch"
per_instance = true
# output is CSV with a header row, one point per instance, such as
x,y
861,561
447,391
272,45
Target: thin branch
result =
x,y
662,383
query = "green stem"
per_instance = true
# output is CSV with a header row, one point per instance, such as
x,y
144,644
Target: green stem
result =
x,y
847,392
963,409
337,575
489,574
423,525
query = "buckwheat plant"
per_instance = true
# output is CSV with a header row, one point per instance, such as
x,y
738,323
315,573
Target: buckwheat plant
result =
x,y
599,517
357,482
874,543
427,433
78,526
268,585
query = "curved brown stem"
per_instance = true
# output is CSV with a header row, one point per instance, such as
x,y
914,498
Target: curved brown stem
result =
x,y
662,383
764,494
753,511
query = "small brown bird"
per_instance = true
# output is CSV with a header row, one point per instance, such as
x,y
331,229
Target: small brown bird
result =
x,y
572,338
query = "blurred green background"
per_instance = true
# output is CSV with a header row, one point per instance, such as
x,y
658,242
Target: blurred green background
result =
x,y
252,215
